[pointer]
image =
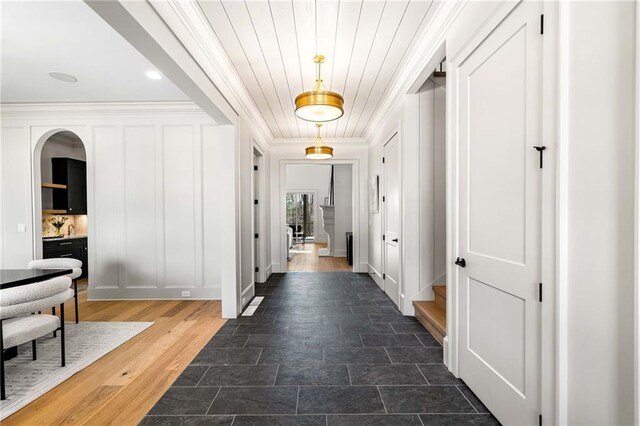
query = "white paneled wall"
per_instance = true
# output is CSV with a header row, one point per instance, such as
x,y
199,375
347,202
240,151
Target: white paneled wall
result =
x,y
158,190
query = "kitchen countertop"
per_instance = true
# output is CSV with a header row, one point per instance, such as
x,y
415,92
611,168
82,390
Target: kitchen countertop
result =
x,y
72,237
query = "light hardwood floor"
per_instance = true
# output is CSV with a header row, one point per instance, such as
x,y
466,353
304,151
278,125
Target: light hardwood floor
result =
x,y
311,262
121,387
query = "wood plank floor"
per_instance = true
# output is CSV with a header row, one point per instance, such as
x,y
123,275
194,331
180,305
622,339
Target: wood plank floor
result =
x,y
121,387
311,262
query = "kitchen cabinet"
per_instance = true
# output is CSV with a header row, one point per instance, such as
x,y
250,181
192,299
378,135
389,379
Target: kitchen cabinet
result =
x,y
74,248
73,174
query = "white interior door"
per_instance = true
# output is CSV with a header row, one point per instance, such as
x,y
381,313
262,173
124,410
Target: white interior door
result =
x,y
392,219
256,218
500,212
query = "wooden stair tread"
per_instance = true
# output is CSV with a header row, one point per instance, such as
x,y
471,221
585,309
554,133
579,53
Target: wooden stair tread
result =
x,y
435,313
441,290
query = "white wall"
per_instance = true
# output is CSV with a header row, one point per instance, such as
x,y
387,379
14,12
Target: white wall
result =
x,y
311,177
292,152
158,200
419,120
600,123
343,208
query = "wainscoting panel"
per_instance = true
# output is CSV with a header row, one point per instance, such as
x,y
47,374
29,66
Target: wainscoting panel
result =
x,y
141,269
106,225
179,206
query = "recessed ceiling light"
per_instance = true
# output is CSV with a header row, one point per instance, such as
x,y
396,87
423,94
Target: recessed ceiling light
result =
x,y
154,75
63,77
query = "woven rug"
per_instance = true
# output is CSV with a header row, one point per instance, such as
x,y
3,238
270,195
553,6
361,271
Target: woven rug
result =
x,y
86,342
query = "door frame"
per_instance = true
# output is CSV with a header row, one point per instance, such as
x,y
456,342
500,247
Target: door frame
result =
x,y
261,241
553,351
355,204
395,131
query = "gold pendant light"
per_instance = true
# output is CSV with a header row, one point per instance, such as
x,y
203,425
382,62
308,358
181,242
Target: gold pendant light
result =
x,y
319,151
319,104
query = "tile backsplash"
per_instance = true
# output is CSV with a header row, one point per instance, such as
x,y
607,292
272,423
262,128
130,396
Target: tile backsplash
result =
x,y
79,223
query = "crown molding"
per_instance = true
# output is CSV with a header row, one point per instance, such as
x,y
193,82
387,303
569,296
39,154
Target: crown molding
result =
x,y
429,42
310,141
84,109
189,23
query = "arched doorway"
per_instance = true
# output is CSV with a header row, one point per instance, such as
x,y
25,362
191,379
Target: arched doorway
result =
x,y
60,198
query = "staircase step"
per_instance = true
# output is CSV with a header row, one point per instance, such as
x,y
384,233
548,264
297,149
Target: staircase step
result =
x,y
440,292
433,317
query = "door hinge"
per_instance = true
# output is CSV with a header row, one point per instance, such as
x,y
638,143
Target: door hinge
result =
x,y
383,237
383,159
384,198
540,149
540,419
257,269
542,24
255,168
384,276
255,201
539,292
255,235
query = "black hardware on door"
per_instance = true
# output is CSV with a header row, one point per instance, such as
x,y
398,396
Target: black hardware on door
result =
x,y
461,262
540,149
395,240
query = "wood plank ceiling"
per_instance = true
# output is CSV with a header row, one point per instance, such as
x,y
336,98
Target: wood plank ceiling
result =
x,y
271,44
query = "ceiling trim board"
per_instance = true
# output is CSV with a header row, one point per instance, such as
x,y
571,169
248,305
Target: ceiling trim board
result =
x,y
302,142
84,109
189,19
429,44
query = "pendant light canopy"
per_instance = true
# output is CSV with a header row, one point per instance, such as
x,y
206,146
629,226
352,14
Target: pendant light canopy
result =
x,y
319,104
319,151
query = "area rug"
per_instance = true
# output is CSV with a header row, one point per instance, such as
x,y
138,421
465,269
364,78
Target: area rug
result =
x,y
86,342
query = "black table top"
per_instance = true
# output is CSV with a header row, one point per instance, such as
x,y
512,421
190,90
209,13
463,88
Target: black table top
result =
x,y
18,277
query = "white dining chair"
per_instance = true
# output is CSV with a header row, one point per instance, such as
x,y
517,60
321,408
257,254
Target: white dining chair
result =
x,y
62,263
18,324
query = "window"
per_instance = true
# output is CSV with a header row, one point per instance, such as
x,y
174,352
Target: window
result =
x,y
300,216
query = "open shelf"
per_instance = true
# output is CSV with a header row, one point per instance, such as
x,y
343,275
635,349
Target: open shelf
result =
x,y
52,211
53,185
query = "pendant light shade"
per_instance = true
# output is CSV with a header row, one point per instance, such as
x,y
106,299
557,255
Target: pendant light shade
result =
x,y
319,105
319,151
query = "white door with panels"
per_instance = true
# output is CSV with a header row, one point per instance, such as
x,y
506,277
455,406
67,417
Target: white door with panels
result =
x,y
256,218
392,219
500,175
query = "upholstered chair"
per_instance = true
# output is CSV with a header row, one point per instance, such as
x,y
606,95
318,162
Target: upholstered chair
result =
x,y
17,323
62,263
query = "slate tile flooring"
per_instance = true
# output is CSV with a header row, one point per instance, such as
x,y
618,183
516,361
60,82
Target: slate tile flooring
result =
x,y
325,349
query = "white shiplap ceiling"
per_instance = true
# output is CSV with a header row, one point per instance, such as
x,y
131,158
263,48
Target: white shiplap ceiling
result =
x,y
271,44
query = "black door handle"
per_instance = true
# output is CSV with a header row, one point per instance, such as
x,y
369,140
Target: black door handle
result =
x,y
461,262
395,240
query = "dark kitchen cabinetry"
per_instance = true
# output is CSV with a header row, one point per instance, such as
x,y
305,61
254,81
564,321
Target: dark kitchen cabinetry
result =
x,y
74,248
73,174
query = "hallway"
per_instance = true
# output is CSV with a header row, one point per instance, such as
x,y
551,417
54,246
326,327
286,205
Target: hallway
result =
x,y
329,348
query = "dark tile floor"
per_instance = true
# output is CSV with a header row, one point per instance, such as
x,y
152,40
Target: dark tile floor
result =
x,y
322,349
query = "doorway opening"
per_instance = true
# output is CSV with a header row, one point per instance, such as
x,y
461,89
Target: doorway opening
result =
x,y
319,217
61,192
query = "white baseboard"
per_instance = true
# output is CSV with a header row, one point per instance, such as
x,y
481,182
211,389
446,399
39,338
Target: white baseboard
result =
x,y
427,291
376,275
267,273
247,294
140,293
339,253
445,351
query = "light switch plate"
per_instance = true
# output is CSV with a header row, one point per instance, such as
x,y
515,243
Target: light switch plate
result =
x,y
22,227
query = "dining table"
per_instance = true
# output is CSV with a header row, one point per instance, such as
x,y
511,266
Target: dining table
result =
x,y
11,278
